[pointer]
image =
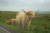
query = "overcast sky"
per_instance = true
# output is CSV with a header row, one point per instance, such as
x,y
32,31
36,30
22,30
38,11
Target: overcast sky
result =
x,y
17,5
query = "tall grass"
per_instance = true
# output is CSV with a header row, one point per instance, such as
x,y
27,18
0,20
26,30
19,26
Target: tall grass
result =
x,y
41,24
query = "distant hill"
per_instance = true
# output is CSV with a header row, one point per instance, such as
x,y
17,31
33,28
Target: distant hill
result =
x,y
39,12
44,12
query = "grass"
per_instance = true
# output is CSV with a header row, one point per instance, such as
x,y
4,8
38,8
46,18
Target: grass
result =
x,y
40,24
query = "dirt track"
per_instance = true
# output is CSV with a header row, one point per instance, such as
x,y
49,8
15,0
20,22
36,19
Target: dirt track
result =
x,y
3,29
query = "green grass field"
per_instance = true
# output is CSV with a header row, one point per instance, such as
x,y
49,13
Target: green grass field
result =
x,y
41,24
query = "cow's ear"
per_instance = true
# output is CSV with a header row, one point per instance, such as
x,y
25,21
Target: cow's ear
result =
x,y
37,12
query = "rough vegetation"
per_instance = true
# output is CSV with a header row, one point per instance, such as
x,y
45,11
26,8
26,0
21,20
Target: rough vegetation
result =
x,y
41,24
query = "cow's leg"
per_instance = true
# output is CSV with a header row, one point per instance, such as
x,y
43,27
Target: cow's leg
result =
x,y
22,24
24,21
29,24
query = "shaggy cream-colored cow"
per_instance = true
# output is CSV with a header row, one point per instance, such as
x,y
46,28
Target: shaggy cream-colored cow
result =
x,y
25,18
11,21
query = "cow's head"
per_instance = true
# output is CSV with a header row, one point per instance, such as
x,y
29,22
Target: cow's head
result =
x,y
31,14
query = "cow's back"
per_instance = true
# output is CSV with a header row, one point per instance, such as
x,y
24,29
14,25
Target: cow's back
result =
x,y
20,16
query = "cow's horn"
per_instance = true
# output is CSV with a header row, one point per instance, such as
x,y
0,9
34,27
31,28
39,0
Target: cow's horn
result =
x,y
23,10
